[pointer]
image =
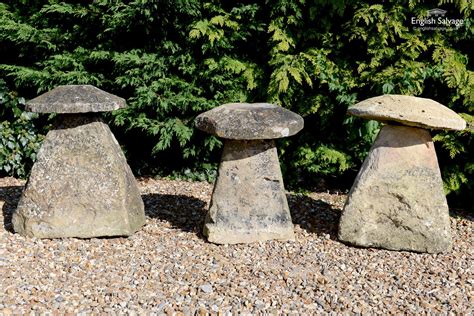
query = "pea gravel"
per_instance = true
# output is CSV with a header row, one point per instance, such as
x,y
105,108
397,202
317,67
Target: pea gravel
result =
x,y
169,268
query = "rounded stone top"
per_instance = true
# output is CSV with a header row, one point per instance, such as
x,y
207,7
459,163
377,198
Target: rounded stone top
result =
x,y
408,110
75,99
249,121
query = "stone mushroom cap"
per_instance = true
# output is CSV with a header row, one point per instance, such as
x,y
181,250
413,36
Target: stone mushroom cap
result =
x,y
75,99
408,110
248,121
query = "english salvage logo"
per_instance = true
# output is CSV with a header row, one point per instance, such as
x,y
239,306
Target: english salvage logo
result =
x,y
436,19
437,12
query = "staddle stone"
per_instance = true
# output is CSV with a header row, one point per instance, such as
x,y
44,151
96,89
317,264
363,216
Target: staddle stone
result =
x,y
75,99
80,185
249,202
408,110
250,121
397,200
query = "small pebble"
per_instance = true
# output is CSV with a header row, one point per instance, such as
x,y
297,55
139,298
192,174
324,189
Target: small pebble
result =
x,y
206,288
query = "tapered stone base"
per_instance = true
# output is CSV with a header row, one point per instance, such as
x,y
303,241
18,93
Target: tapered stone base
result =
x,y
80,185
249,202
397,200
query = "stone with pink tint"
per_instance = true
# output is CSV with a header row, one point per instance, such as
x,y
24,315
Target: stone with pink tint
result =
x,y
410,111
397,201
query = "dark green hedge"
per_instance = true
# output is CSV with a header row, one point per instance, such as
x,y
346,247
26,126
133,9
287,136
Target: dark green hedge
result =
x,y
172,60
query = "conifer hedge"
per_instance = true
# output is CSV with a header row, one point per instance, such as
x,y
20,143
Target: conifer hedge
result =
x,y
173,59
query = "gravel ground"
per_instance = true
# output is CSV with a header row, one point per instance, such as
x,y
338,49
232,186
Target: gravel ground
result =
x,y
168,267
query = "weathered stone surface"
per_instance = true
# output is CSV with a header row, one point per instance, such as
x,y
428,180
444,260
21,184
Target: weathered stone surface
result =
x,y
80,185
75,99
397,200
408,110
250,121
249,202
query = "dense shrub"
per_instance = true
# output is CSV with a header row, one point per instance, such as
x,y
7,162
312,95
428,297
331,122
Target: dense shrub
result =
x,y
19,137
172,60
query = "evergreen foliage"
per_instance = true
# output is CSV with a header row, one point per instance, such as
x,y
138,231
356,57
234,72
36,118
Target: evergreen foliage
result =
x,y
20,139
172,60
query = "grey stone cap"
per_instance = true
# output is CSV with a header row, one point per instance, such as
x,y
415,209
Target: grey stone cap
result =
x,y
75,99
408,110
250,121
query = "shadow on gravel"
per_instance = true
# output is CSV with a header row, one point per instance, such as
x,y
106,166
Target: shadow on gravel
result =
x,y
188,213
468,215
183,212
314,216
10,196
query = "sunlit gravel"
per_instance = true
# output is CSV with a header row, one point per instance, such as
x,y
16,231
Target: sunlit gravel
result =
x,y
168,267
